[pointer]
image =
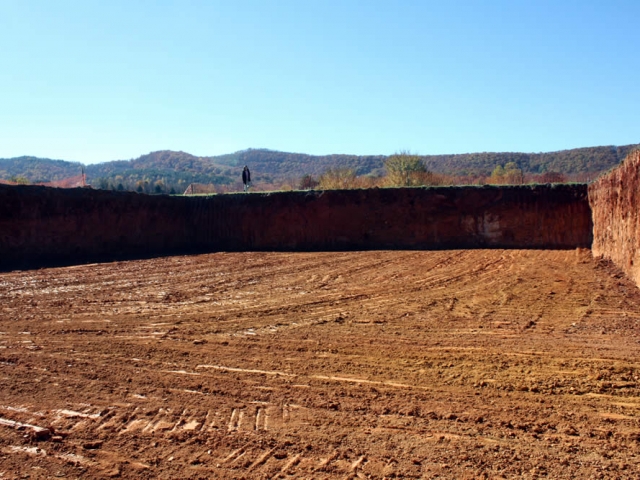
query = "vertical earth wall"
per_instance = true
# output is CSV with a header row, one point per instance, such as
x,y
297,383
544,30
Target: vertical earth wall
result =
x,y
615,204
45,226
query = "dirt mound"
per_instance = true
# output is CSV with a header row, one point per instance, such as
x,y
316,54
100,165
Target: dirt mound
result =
x,y
457,364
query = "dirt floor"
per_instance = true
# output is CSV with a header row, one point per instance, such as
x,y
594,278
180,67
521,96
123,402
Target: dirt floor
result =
x,y
449,364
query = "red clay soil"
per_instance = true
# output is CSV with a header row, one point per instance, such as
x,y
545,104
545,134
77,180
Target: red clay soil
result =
x,y
615,201
60,226
448,364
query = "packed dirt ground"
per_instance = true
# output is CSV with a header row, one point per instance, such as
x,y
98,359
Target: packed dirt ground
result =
x,y
447,364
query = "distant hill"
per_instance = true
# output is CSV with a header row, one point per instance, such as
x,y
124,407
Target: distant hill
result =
x,y
579,160
593,160
170,171
161,172
37,170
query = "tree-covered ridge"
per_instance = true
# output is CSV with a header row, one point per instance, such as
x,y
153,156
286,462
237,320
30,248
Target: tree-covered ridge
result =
x,y
159,172
170,171
592,160
578,160
37,170
286,164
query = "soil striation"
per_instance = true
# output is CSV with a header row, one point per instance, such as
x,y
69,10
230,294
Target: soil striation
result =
x,y
40,225
615,202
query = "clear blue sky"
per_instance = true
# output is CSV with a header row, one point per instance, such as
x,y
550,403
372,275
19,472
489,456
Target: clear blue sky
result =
x,y
96,80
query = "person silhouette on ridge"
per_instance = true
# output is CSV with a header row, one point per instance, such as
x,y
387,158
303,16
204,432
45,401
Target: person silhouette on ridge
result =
x,y
246,178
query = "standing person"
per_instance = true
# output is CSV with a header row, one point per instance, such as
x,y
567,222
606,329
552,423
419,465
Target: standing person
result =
x,y
246,178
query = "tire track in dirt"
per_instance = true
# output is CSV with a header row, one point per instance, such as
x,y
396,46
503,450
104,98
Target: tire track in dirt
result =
x,y
340,365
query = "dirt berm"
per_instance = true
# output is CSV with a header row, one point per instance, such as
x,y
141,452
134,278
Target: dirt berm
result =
x,y
47,226
615,200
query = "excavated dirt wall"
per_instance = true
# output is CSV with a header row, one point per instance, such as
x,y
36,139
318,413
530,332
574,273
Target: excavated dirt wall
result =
x,y
615,202
45,226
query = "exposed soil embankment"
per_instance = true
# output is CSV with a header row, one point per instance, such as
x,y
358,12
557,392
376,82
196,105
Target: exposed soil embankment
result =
x,y
40,225
615,202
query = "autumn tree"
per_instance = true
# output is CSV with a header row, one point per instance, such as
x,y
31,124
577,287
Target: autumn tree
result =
x,y
513,174
337,179
497,176
510,174
308,182
405,169
553,177
20,180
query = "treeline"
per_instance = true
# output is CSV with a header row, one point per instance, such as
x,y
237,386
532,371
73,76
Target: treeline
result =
x,y
155,181
404,169
37,170
173,172
158,172
575,161
284,164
